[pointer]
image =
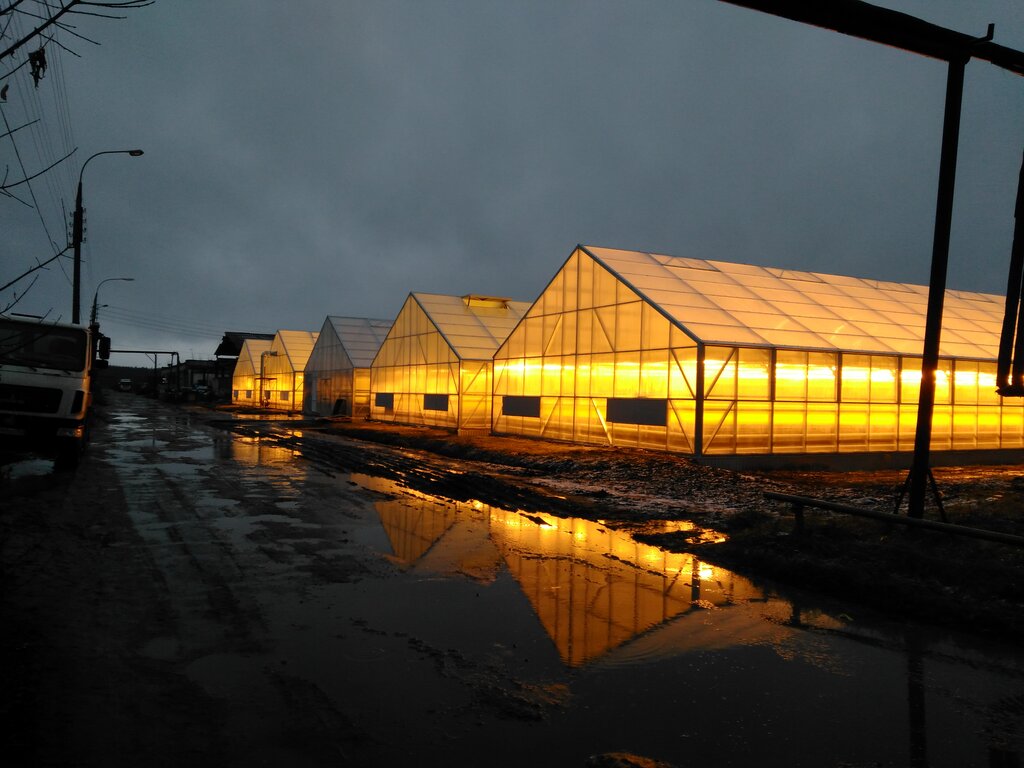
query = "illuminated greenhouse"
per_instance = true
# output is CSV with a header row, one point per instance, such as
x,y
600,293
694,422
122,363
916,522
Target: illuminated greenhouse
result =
x,y
336,381
434,367
245,385
283,367
710,358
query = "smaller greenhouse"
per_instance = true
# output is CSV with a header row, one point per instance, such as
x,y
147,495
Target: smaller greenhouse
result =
x,y
245,381
435,365
283,367
337,375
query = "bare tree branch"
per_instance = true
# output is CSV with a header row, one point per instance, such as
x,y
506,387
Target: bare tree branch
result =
x,y
19,296
26,125
5,75
69,8
37,267
11,7
61,45
27,179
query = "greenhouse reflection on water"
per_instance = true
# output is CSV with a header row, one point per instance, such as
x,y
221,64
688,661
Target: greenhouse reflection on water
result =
x,y
593,588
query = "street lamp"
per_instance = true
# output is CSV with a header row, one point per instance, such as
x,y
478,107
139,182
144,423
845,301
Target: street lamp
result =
x,y
76,233
96,296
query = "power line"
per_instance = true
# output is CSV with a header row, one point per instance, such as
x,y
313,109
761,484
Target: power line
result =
x,y
163,323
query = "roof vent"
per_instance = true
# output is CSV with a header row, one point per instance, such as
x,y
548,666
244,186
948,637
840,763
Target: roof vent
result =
x,y
495,302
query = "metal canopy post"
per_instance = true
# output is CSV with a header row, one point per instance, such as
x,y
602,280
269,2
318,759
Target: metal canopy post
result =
x,y
1010,371
920,468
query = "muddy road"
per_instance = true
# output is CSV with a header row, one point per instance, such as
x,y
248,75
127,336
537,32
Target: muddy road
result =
x,y
195,595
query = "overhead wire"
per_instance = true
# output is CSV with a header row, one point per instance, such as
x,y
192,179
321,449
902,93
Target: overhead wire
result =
x,y
161,323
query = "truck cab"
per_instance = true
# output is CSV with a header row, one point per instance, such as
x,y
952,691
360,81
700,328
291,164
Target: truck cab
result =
x,y
45,388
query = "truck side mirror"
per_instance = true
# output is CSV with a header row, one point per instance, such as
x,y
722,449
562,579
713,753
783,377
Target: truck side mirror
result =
x,y
104,347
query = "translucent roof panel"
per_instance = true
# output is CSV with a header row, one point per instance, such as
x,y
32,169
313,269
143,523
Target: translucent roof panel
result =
x,y
295,346
360,336
473,327
718,302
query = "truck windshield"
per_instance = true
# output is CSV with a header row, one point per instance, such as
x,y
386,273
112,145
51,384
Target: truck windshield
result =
x,y
36,345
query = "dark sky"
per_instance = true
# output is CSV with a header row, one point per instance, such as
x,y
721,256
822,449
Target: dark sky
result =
x,y
316,158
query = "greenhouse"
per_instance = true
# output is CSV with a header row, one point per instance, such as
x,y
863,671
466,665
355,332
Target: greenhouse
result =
x,y
337,375
245,381
283,366
710,358
434,367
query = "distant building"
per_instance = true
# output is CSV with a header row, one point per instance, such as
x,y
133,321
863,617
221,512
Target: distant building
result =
x,y
192,376
231,344
336,381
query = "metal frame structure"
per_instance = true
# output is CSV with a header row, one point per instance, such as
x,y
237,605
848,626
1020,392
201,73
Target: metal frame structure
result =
x,y
881,25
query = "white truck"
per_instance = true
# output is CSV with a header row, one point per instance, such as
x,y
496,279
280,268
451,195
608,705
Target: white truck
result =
x,y
45,393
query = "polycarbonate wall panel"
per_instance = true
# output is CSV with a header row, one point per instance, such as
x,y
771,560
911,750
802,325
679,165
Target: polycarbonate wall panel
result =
x,y
416,360
336,374
283,366
245,377
587,339
327,382
829,402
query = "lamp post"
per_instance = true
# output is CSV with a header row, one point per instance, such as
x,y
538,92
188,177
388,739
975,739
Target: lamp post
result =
x,y
76,233
96,296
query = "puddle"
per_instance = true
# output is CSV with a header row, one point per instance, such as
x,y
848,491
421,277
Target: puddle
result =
x,y
592,588
19,470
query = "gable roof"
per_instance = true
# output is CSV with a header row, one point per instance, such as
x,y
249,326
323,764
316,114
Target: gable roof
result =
x,y
295,346
717,302
474,326
249,354
361,337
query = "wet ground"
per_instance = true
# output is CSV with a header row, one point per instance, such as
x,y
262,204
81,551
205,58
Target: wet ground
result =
x,y
204,596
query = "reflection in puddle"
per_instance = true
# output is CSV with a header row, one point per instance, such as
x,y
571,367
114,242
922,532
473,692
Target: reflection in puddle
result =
x,y
255,451
592,587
